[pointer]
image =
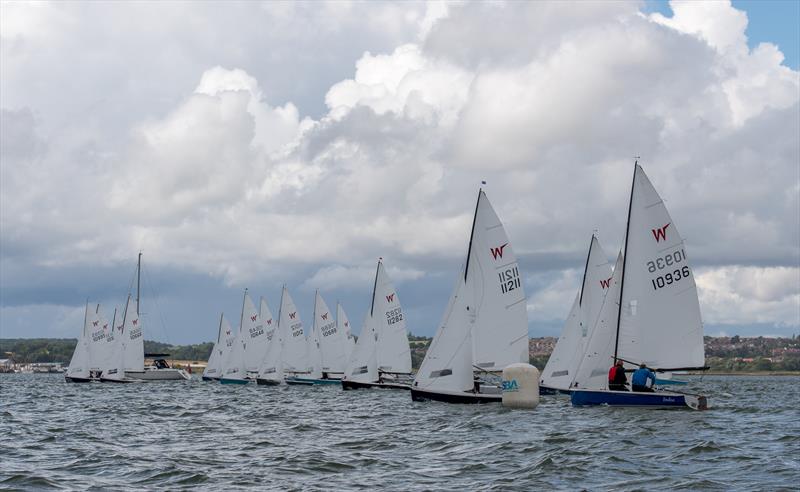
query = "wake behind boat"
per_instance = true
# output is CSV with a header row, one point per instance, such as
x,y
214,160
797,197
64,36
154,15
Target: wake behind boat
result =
x,y
650,314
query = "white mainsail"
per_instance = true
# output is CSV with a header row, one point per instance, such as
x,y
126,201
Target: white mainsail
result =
x,y
97,341
363,363
333,339
272,366
253,335
295,345
560,369
233,366
111,348
394,353
214,367
343,327
448,362
500,337
79,363
133,346
659,320
119,357
598,356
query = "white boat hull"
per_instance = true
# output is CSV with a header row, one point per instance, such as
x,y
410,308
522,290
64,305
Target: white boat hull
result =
x,y
168,374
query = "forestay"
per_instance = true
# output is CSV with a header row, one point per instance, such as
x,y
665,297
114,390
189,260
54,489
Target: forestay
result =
x,y
660,321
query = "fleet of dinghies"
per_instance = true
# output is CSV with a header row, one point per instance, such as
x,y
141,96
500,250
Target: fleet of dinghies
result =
x,y
643,311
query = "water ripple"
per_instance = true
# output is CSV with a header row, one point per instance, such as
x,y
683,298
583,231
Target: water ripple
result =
x,y
184,436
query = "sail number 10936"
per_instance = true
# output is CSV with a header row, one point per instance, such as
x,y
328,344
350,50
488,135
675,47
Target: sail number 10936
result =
x,y
668,261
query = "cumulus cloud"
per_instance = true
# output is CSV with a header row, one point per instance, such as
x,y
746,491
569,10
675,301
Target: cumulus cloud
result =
x,y
295,153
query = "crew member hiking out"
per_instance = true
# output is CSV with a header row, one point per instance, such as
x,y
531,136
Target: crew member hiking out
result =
x,y
616,377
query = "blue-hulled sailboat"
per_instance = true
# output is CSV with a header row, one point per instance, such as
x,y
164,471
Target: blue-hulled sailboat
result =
x,y
650,314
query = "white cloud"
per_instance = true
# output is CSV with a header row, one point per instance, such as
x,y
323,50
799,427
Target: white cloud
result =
x,y
340,277
195,144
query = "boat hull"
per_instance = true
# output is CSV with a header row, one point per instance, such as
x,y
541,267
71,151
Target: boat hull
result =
x,y
657,399
233,381
168,374
73,379
297,381
267,382
209,378
455,396
123,380
354,385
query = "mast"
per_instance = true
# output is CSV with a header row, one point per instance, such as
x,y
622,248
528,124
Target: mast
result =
x,y
375,287
241,317
85,317
219,331
113,322
624,260
585,269
138,279
472,232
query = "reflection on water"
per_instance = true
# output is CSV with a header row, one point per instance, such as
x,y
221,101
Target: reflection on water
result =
x,y
205,435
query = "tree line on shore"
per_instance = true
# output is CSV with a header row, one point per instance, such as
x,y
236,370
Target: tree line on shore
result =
x,y
723,354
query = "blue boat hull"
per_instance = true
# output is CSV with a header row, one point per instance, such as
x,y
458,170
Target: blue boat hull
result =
x,y
658,399
233,381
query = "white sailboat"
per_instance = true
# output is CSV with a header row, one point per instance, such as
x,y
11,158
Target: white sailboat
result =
x,y
79,370
234,369
568,352
133,345
270,371
484,327
123,358
295,345
658,312
389,352
343,327
327,347
213,370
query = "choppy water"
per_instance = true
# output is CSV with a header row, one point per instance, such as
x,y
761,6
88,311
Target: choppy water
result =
x,y
207,436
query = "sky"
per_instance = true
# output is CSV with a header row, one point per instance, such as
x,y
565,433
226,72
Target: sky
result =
x,y
248,145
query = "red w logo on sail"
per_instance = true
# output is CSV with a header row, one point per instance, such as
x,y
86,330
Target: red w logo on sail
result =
x,y
605,283
253,318
269,321
390,298
498,252
136,322
94,323
105,326
661,233
292,315
325,316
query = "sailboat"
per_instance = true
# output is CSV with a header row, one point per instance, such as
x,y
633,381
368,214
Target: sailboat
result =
x,y
484,327
79,370
134,349
127,350
222,346
234,369
560,369
327,348
382,355
651,313
270,372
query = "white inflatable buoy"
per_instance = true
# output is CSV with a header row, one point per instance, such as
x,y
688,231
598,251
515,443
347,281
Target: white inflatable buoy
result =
x,y
520,386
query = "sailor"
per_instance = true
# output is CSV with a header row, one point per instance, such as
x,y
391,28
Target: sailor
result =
x,y
640,377
617,380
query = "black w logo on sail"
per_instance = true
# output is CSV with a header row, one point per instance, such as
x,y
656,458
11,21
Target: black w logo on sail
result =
x,y
660,233
325,316
390,298
605,283
498,252
292,315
